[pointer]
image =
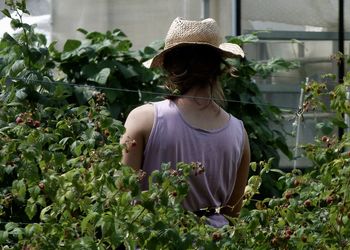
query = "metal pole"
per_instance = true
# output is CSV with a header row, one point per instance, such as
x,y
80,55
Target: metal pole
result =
x,y
346,116
341,66
298,125
206,9
233,17
341,32
238,17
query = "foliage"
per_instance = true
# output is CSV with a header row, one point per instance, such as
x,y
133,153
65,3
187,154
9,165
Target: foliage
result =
x,y
62,184
257,115
105,60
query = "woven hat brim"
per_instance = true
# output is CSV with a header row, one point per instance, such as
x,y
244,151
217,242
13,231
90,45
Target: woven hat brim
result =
x,y
226,50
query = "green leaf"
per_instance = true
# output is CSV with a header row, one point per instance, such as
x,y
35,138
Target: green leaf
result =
x,y
253,166
3,237
127,71
64,140
91,216
71,45
90,71
81,30
9,39
6,13
9,2
21,94
43,213
10,226
102,76
76,148
242,39
339,122
15,24
30,210
326,128
83,94
33,229
17,67
111,95
19,189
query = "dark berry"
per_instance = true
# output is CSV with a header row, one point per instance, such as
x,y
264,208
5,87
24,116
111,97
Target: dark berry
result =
x,y
307,203
274,241
329,200
30,121
19,120
288,195
325,138
216,236
303,238
36,123
296,182
288,232
41,186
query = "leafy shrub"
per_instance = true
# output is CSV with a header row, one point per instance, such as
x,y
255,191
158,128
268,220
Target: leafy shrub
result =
x,y
105,60
62,184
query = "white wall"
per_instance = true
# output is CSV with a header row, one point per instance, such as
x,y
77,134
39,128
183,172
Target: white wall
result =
x,y
143,21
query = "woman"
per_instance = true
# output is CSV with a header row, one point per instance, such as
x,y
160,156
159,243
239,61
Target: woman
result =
x,y
192,127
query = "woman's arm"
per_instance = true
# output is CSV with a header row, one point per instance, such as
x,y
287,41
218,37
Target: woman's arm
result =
x,y
138,126
235,202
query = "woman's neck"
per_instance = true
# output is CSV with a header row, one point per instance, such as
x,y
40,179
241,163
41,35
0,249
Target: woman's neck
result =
x,y
198,98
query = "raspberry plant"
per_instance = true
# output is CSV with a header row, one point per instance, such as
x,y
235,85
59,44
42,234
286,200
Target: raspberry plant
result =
x,y
62,184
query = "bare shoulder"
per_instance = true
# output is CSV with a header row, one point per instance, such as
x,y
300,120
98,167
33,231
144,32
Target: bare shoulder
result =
x,y
142,113
141,118
138,125
144,108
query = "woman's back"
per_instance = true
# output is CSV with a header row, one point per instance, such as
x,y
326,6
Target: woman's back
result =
x,y
219,150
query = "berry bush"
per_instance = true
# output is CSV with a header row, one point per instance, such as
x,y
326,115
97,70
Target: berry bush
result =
x,y
62,185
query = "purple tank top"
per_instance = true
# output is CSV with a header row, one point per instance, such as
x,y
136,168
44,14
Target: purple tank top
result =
x,y
174,140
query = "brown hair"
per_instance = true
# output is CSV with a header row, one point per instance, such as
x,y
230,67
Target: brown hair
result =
x,y
194,66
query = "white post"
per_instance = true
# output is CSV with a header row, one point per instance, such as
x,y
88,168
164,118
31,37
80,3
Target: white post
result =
x,y
205,9
346,116
298,121
233,17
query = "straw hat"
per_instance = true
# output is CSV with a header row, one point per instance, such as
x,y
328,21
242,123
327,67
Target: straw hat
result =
x,y
185,32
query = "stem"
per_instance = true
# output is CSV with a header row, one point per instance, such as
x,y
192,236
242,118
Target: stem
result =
x,y
26,39
234,205
137,216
